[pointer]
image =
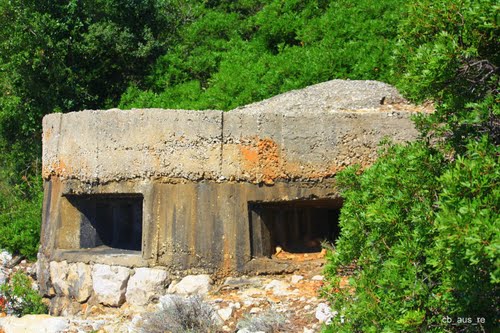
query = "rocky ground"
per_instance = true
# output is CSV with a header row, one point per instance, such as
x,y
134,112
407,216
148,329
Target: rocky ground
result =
x,y
263,303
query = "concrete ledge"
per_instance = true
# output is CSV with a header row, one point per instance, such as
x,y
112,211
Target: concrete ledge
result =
x,y
102,255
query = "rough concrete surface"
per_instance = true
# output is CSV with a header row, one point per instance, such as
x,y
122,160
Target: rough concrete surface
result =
x,y
304,134
332,95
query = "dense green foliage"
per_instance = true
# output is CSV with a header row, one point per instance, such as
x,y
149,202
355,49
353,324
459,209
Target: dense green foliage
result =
x,y
424,234
449,51
20,297
423,222
20,221
235,53
72,55
386,224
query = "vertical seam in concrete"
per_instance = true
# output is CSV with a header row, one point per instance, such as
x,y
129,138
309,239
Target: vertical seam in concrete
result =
x,y
58,137
95,177
157,218
221,160
46,222
282,147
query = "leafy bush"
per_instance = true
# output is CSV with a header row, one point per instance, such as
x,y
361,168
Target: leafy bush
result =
x,y
20,297
181,315
386,228
20,219
424,234
465,257
448,51
422,223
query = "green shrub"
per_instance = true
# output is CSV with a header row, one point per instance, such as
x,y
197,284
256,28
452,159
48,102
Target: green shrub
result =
x,y
423,231
464,258
386,228
20,218
449,51
422,223
20,297
269,321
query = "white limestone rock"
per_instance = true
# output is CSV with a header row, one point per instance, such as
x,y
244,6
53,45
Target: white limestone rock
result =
x,y
296,278
225,313
324,314
193,285
110,283
5,258
279,288
3,277
71,280
58,274
79,281
145,284
235,305
34,323
255,310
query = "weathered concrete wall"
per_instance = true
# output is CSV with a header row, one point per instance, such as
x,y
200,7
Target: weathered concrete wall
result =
x,y
114,145
306,134
197,171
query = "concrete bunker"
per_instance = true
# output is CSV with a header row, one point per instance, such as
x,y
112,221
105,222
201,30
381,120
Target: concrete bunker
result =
x,y
295,226
207,191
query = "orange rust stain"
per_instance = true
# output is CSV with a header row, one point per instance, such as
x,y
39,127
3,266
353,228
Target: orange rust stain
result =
x,y
250,154
57,169
262,159
226,268
270,160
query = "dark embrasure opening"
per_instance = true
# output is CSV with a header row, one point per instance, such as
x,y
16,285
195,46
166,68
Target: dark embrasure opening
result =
x,y
296,226
114,221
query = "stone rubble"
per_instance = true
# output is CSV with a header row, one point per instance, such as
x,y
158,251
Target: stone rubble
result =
x,y
296,279
58,274
192,285
34,323
114,299
145,284
79,281
110,283
5,258
225,313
